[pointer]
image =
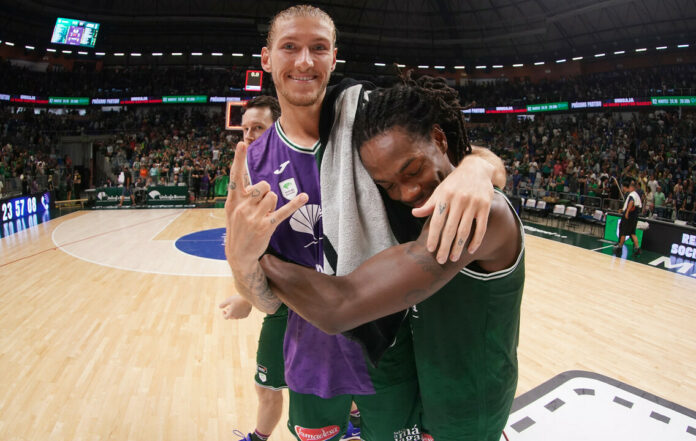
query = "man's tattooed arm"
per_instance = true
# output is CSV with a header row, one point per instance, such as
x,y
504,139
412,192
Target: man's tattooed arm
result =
x,y
253,286
388,282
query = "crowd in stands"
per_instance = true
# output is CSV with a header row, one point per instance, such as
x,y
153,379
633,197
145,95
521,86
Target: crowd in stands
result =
x,y
122,81
578,153
646,82
587,155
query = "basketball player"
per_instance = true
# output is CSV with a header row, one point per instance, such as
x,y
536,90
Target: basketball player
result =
x,y
324,373
465,336
259,114
629,219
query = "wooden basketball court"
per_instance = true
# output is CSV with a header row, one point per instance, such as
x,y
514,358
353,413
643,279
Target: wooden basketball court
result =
x,y
107,331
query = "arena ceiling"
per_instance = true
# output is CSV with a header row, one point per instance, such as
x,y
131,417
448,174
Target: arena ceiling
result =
x,y
446,32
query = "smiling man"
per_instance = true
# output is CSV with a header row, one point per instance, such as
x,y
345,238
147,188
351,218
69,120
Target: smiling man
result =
x,y
326,372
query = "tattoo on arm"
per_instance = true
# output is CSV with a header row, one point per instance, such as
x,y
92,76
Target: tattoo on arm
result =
x,y
421,256
257,285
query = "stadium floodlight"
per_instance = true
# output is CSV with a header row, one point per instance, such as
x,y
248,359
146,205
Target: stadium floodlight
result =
x,y
562,60
82,53
518,65
619,52
539,63
577,58
423,66
682,45
661,48
196,54
642,49
30,48
481,67
9,43
401,66
460,67
176,54
157,54
67,52
135,54
599,55
340,61
237,54
256,55
497,66
380,64
101,54
49,49
216,54
118,54
439,67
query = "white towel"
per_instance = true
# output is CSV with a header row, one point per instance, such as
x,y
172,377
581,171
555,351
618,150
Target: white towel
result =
x,y
353,214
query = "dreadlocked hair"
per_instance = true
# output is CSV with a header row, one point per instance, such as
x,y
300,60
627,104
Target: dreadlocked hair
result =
x,y
416,106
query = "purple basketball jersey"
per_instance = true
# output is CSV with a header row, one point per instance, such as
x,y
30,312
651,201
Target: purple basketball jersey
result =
x,y
315,363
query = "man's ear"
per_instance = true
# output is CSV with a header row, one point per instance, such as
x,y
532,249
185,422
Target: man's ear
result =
x,y
266,59
438,136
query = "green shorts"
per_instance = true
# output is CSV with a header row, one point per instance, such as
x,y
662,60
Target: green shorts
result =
x,y
270,367
393,413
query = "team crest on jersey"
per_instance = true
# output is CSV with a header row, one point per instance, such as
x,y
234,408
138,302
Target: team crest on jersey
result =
x,y
288,188
306,220
321,434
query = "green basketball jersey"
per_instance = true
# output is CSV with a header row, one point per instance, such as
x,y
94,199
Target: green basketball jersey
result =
x,y
465,341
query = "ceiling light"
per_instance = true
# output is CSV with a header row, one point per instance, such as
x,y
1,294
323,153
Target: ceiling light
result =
x,y
101,54
82,52
600,55
48,49
9,43
643,49
682,45
340,61
157,54
577,58
619,52
497,66
31,48
256,55
538,63
518,65
660,48
176,54
562,60
460,67
237,54
196,54
380,64
118,54
481,67
423,66
135,54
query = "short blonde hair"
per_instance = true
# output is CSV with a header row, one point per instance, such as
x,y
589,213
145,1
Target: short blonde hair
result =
x,y
300,11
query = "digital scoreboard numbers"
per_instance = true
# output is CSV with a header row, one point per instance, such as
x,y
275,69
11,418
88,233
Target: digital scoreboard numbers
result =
x,y
22,212
75,32
254,80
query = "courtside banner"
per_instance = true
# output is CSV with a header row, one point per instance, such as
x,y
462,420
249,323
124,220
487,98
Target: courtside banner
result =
x,y
159,195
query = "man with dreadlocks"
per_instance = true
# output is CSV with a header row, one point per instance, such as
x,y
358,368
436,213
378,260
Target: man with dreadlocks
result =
x,y
465,336
301,205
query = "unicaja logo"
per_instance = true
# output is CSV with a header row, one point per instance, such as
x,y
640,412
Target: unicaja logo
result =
x,y
321,434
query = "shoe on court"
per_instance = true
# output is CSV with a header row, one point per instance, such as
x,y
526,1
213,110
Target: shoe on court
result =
x,y
246,437
617,250
636,251
352,432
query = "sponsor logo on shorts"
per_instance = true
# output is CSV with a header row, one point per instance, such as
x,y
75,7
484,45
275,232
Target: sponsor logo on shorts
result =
x,y
262,369
411,434
321,434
